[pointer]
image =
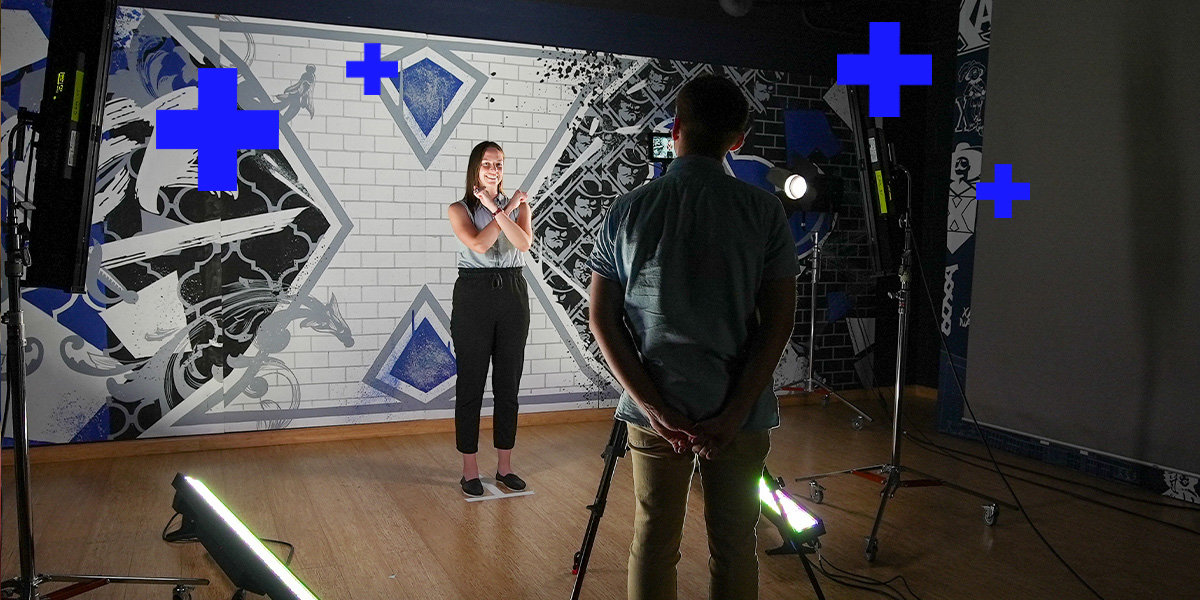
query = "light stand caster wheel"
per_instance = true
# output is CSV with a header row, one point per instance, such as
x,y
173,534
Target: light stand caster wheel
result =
x,y
816,492
825,401
858,422
990,513
181,592
872,548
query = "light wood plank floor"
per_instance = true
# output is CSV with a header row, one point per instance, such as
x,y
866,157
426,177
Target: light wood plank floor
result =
x,y
383,518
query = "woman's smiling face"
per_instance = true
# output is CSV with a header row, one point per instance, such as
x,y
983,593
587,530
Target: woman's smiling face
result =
x,y
491,168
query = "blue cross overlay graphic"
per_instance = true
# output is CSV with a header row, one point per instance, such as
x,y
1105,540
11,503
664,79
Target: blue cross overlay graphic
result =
x,y
884,70
1003,191
372,69
217,130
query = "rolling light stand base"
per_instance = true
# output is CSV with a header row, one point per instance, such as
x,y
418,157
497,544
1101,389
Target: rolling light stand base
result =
x,y
17,588
16,261
889,474
818,385
890,477
812,382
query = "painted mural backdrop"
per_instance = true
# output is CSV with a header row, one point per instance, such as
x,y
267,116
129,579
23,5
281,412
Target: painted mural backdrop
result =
x,y
318,293
974,38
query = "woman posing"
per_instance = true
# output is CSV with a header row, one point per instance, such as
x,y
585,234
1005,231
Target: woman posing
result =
x,y
490,317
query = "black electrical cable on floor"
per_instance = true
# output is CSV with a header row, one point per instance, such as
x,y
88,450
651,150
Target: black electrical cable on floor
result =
x,y
975,421
191,540
177,541
838,579
291,549
870,580
889,592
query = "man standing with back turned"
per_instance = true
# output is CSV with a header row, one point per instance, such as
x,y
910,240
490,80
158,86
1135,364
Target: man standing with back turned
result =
x,y
692,302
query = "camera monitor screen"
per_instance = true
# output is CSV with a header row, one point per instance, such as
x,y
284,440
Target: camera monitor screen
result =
x,y
662,148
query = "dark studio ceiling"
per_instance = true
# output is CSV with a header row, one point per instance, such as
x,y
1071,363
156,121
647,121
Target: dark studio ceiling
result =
x,y
788,35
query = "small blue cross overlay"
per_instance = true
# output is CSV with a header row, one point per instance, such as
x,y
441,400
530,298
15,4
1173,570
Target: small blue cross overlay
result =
x,y
372,69
884,70
217,129
1003,191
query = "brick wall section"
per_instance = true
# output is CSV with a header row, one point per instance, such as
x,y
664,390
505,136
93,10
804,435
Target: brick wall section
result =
x,y
847,264
401,238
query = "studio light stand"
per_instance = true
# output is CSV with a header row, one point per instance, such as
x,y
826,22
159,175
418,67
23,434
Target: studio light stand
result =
x,y
889,474
16,261
813,382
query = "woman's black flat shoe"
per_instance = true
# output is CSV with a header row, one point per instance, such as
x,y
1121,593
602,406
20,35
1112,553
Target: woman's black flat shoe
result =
x,y
473,487
511,481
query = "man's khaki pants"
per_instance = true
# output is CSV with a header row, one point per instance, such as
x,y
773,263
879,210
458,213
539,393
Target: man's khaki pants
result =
x,y
661,480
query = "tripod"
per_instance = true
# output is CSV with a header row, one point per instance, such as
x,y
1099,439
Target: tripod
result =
x,y
16,261
889,474
618,444
813,382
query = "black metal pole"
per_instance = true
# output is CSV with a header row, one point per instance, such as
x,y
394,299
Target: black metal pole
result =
x,y
617,441
815,259
14,270
902,298
893,469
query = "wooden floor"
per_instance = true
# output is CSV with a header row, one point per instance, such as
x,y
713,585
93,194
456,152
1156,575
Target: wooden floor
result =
x,y
384,518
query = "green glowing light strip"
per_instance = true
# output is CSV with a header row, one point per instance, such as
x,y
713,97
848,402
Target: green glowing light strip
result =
x,y
797,517
251,541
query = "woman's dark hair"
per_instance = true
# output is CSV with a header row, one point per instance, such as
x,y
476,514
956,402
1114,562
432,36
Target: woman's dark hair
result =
x,y
712,111
473,174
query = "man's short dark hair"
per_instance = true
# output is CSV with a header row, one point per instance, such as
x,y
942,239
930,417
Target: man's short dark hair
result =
x,y
712,111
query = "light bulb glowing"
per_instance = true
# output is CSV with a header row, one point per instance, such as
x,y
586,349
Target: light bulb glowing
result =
x,y
251,541
797,518
795,187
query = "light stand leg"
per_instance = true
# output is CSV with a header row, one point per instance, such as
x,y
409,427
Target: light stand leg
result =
x,y
889,490
618,441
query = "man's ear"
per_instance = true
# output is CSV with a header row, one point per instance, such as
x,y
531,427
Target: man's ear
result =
x,y
738,144
675,129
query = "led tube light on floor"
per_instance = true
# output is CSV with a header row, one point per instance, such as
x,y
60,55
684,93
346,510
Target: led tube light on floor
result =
x,y
239,553
802,526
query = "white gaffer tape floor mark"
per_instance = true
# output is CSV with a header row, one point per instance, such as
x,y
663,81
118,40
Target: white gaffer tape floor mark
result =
x,y
495,493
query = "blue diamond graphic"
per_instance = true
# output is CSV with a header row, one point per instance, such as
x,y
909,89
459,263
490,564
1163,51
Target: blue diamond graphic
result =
x,y
428,90
426,361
